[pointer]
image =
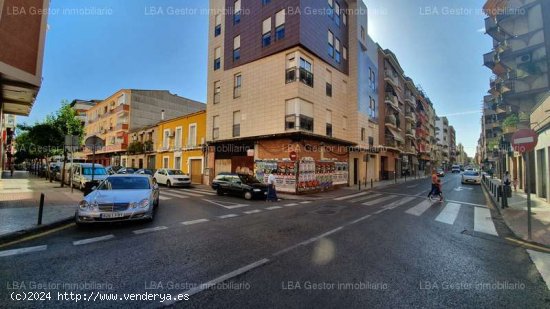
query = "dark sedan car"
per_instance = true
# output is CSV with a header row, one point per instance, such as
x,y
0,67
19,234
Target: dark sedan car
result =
x,y
241,185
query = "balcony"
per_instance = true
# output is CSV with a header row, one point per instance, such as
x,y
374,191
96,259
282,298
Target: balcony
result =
x,y
410,134
391,121
392,101
303,75
410,116
409,98
489,59
391,77
493,30
123,108
121,126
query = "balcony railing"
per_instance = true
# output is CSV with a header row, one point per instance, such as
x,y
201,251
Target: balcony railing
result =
x,y
123,108
392,101
409,98
391,76
301,74
391,121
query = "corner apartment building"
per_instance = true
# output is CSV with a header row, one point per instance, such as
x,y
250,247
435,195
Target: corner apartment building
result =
x,y
520,31
443,140
22,37
128,110
81,107
282,83
142,148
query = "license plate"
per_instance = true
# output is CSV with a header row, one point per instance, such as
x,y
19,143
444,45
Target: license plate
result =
x,y
112,215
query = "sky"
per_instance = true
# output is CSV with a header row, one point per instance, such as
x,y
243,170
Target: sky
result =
x,y
96,47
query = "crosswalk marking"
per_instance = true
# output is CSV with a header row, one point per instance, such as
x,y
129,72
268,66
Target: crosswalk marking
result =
x,y
291,204
341,198
305,202
202,191
255,211
274,207
542,262
184,193
365,197
378,200
228,216
419,209
173,194
195,221
22,250
483,222
400,202
92,240
164,198
449,213
148,230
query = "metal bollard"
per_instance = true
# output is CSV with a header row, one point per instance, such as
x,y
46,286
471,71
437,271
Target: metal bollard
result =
x,y
359,184
40,208
371,183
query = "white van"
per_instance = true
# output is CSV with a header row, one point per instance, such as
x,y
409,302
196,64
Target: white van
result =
x,y
82,174
455,168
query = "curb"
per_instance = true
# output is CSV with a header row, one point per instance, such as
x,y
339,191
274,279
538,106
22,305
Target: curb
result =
x,y
14,236
514,234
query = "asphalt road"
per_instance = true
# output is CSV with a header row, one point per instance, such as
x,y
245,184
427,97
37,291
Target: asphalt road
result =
x,y
384,248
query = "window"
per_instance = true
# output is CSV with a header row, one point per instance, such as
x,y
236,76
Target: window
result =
x,y
337,54
328,127
165,162
306,74
177,163
215,127
280,25
192,136
328,87
266,32
331,44
337,11
345,19
299,115
217,91
265,2
363,134
178,138
218,26
371,141
363,34
237,48
329,90
236,124
372,108
344,122
166,139
217,58
237,16
237,81
344,53
330,11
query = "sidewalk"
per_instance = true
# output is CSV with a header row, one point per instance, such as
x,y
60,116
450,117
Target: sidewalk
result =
x,y
516,216
20,200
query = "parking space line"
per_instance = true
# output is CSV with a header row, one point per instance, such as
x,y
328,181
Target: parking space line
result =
x,y
228,216
22,250
92,240
195,221
184,193
148,230
255,211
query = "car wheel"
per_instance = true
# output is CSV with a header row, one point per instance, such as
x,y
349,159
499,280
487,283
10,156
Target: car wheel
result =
x,y
168,184
219,192
248,195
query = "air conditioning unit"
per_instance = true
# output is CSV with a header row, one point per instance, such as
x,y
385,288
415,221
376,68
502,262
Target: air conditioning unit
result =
x,y
524,58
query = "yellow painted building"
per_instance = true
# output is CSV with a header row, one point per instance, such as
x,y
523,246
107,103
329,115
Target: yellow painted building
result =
x,y
180,144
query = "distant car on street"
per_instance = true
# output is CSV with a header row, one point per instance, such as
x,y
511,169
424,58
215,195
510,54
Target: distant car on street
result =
x,y
241,185
111,169
473,177
172,178
145,171
119,198
82,174
455,168
126,170
440,172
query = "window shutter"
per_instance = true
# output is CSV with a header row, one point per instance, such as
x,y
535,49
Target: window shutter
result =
x,y
337,44
215,121
329,116
237,117
237,42
292,107
337,8
266,27
331,3
330,38
218,19
280,18
306,108
237,6
217,53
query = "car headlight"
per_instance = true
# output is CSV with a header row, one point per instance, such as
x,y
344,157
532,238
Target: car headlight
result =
x,y
257,190
83,204
144,203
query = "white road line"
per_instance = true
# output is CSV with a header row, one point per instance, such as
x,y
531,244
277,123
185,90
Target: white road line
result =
x,y
378,200
23,250
465,203
229,206
274,207
449,213
542,262
149,230
255,211
305,202
419,209
185,193
341,198
228,216
413,186
360,219
164,198
400,202
92,240
291,204
195,221
209,284
173,194
365,197
483,222
203,191
380,211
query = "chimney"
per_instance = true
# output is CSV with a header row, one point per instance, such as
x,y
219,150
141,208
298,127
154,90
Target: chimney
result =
x,y
162,115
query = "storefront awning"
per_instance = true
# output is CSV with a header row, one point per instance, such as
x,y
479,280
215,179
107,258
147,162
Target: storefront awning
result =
x,y
396,135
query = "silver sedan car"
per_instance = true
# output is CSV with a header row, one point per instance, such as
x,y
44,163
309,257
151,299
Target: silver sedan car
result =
x,y
120,198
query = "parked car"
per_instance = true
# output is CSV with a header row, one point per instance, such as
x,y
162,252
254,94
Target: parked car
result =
x,y
111,169
455,169
126,170
440,172
241,185
172,178
82,174
120,198
145,171
471,177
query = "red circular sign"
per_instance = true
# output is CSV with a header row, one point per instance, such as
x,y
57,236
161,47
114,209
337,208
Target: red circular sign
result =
x,y
293,156
524,140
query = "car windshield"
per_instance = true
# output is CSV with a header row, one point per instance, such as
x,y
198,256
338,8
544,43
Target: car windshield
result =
x,y
125,183
471,173
174,172
248,179
97,171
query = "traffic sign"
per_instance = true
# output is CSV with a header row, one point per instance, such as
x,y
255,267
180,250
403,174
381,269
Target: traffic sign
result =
x,y
524,140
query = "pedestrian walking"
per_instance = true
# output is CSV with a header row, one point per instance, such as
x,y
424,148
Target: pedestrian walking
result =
x,y
434,184
439,190
506,189
271,190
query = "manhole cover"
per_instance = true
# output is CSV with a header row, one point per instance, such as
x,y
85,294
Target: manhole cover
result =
x,y
326,212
